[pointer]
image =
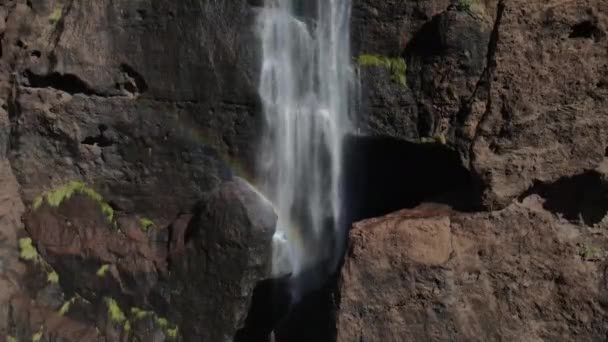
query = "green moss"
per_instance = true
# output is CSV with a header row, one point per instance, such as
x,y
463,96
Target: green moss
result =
x,y
162,322
172,333
437,139
127,326
37,336
56,15
138,313
396,65
145,223
26,250
38,202
52,277
65,308
101,272
114,312
57,196
11,339
469,6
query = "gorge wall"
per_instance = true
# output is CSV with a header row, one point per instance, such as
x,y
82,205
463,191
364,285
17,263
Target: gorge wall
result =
x,y
477,172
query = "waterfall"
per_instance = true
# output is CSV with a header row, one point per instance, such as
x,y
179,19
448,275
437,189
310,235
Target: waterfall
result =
x,y
305,83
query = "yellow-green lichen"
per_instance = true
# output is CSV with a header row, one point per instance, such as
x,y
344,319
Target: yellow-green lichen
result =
x,y
162,322
145,223
114,312
101,272
56,15
26,250
52,277
11,339
55,197
65,308
37,336
138,313
437,139
127,326
396,65
172,333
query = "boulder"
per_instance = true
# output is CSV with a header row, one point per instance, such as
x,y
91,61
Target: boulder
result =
x,y
194,279
433,274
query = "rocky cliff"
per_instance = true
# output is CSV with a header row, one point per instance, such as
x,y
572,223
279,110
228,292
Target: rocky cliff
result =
x,y
128,130
516,248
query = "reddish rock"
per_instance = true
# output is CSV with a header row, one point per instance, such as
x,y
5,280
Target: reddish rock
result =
x,y
201,282
519,274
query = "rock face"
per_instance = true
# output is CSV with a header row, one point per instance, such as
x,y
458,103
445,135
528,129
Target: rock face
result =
x,y
193,280
153,107
518,88
431,274
124,123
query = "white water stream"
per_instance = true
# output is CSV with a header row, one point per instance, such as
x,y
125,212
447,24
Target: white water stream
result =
x,y
305,83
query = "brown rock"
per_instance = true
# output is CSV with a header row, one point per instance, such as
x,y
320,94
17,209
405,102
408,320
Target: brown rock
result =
x,y
206,274
518,274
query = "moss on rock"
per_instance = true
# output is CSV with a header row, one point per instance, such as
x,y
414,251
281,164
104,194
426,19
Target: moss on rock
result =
x,y
396,65
55,197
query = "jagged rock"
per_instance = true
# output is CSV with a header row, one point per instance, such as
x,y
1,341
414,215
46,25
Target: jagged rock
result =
x,y
139,99
432,274
202,282
227,252
517,88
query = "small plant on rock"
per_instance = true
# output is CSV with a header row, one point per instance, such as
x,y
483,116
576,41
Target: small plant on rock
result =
x,y
396,65
145,224
56,15
101,272
27,251
114,312
471,6
57,196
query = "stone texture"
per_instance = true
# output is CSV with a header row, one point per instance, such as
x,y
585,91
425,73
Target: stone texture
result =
x,y
516,87
201,282
547,114
431,274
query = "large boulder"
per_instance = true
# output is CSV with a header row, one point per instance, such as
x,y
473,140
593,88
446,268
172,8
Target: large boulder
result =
x,y
432,274
134,279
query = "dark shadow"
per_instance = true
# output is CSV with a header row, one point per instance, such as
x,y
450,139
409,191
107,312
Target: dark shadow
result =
x,y
66,82
383,175
274,308
581,197
586,29
270,303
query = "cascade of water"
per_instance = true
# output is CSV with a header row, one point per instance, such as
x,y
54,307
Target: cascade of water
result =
x,y
305,83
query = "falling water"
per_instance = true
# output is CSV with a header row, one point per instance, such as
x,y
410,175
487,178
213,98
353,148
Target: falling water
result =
x,y
305,84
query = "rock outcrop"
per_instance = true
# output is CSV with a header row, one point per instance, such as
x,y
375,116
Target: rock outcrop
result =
x,y
432,274
148,109
133,279
518,88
